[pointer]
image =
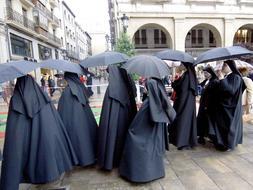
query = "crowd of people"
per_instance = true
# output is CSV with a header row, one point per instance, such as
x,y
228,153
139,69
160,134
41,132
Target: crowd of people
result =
x,y
50,142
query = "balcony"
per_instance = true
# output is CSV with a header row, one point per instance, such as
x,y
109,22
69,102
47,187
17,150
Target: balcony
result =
x,y
72,54
53,3
27,3
55,21
42,9
19,21
48,37
38,23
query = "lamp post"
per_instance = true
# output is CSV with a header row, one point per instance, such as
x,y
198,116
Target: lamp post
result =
x,y
124,20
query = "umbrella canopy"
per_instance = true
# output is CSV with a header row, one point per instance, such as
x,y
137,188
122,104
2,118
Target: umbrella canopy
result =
x,y
217,54
62,65
104,59
147,66
175,55
15,69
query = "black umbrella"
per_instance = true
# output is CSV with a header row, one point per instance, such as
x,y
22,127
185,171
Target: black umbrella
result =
x,y
62,65
147,66
104,59
218,54
15,69
175,55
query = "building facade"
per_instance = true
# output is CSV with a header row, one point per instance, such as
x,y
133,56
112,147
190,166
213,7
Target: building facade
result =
x,y
193,26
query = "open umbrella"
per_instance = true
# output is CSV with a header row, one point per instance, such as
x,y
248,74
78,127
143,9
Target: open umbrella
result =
x,y
147,66
175,55
15,69
217,54
104,59
62,65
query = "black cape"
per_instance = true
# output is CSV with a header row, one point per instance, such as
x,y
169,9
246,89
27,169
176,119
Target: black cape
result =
x,y
118,111
37,148
147,137
207,106
229,124
183,132
78,119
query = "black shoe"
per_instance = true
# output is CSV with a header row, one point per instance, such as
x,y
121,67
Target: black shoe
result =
x,y
184,148
201,140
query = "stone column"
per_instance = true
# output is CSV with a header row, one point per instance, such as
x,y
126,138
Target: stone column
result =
x,y
228,31
179,34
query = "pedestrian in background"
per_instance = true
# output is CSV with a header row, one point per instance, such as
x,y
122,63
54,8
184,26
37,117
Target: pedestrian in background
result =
x,y
247,96
51,85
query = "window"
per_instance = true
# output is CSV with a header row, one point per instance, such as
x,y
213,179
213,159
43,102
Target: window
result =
x,y
65,14
21,46
211,38
200,36
143,37
194,36
61,40
163,38
44,52
56,54
156,36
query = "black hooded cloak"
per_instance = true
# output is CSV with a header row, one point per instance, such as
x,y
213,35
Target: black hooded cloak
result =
x,y
118,111
147,137
78,119
37,148
207,105
183,132
229,124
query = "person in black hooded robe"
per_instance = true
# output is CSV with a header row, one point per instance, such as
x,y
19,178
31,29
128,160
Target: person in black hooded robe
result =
x,y
147,137
183,132
229,124
78,119
37,148
207,105
118,111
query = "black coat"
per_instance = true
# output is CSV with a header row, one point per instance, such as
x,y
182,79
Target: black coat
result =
x,y
118,111
147,137
37,148
207,107
78,119
183,131
229,124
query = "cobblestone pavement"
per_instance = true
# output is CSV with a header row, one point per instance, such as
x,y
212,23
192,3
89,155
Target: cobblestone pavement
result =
x,y
201,168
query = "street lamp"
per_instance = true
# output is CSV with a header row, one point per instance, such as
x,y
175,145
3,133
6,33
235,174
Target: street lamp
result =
x,y
124,20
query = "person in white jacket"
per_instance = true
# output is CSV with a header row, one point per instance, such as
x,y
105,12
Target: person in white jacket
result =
x,y
247,97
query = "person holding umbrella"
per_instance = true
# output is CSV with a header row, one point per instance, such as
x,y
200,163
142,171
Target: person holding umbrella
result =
x,y
118,111
183,132
229,124
207,106
78,119
147,136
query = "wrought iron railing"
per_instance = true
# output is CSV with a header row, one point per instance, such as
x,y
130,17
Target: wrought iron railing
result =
x,y
19,19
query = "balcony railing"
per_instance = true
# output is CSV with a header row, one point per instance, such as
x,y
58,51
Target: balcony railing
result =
x,y
195,52
18,18
43,9
72,54
53,38
50,37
